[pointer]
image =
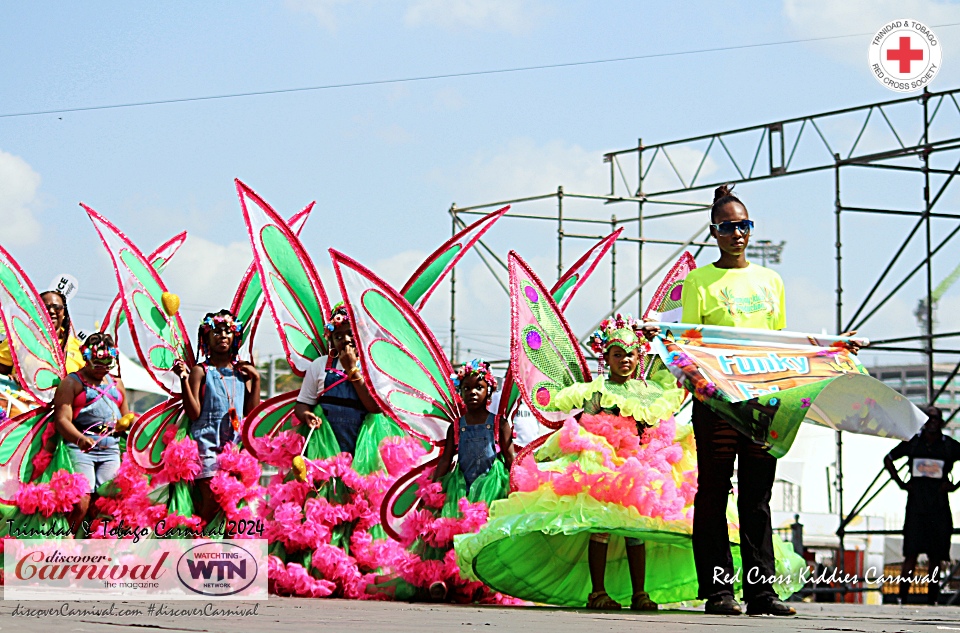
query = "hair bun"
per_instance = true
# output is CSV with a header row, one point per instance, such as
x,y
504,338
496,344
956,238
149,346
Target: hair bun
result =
x,y
722,191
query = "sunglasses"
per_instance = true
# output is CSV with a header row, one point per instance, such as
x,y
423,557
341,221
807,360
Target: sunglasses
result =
x,y
101,355
727,228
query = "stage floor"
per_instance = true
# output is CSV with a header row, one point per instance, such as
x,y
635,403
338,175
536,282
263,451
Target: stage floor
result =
x,y
291,615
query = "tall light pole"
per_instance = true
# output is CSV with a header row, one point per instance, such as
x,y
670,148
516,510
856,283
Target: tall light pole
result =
x,y
766,250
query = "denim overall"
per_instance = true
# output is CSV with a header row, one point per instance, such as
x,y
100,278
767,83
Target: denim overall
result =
x,y
96,411
477,448
213,429
343,409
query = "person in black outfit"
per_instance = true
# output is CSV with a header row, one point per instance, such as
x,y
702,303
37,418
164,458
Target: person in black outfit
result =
x,y
928,523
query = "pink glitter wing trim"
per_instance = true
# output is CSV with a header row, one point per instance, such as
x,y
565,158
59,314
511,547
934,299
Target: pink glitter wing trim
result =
x,y
544,353
433,270
664,305
115,316
291,286
160,339
567,286
403,365
248,302
38,361
17,436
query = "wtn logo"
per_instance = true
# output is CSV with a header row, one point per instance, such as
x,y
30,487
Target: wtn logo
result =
x,y
224,568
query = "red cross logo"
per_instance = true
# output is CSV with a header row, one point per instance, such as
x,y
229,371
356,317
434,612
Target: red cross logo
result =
x,y
905,55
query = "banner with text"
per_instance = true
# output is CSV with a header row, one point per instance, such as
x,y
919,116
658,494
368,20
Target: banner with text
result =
x,y
765,383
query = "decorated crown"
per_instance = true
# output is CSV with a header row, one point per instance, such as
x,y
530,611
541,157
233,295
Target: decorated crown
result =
x,y
617,330
476,367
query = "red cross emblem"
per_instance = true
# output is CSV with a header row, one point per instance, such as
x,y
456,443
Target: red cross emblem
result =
x,y
905,55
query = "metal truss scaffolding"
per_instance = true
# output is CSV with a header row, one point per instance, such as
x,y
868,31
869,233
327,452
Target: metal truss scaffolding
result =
x,y
915,135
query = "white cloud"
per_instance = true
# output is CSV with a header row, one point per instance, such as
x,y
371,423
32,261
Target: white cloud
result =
x,y
323,10
513,16
395,134
19,200
524,168
447,99
206,274
396,269
824,18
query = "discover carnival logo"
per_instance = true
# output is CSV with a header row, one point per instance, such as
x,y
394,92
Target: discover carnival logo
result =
x,y
905,55
97,569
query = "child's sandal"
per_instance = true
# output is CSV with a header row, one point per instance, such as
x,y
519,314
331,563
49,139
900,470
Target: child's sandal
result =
x,y
642,602
600,600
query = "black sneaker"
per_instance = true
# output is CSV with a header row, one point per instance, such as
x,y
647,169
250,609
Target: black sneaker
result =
x,y
722,604
769,606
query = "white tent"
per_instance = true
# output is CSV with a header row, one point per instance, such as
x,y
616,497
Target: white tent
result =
x,y
136,378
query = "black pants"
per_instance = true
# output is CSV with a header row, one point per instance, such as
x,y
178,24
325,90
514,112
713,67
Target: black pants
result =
x,y
718,445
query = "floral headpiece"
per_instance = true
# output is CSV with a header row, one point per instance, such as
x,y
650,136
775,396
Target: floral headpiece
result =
x,y
99,349
338,316
476,367
212,322
617,330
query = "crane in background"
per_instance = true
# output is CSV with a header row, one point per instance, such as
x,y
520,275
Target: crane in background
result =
x,y
926,328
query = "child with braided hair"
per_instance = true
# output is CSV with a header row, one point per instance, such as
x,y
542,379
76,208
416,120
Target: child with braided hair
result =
x,y
477,435
216,393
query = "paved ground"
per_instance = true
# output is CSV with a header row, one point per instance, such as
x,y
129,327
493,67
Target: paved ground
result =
x,y
309,616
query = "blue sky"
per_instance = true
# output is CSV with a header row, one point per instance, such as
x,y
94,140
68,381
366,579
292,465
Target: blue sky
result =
x,y
385,162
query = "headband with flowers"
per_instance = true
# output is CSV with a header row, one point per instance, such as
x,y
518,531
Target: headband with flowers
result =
x,y
617,330
214,321
338,316
219,320
476,367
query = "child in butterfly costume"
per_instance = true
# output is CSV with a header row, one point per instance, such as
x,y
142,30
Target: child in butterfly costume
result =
x,y
322,517
646,469
216,394
601,512
482,471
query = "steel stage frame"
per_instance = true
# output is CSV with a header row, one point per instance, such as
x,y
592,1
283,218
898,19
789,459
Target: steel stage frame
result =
x,y
769,151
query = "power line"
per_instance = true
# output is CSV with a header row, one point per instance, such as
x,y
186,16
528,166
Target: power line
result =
x,y
474,73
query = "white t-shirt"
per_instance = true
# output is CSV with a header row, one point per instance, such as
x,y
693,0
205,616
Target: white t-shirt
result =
x,y
313,382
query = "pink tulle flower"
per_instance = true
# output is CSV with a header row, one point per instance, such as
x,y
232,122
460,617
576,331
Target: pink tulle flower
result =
x,y
59,495
401,454
181,460
280,449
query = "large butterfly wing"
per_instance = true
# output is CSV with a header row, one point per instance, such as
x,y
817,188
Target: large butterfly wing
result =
x,y
149,434
247,303
38,361
432,271
267,420
563,292
566,287
665,303
115,317
544,354
291,286
665,307
20,440
403,364
160,339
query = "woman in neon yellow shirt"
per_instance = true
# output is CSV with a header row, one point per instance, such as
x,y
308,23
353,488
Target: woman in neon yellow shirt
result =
x,y
733,292
56,305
